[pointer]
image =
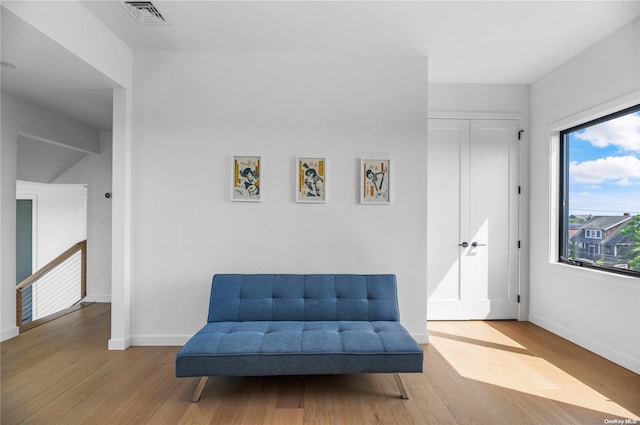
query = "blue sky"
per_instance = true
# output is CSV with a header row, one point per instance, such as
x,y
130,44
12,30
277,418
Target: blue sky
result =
x,y
605,168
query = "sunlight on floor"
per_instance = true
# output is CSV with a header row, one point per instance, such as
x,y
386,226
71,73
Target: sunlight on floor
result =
x,y
494,358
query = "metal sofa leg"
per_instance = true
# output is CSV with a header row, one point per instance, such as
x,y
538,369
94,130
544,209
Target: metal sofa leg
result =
x,y
199,389
403,391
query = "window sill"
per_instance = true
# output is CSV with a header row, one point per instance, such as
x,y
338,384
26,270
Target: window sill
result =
x,y
578,265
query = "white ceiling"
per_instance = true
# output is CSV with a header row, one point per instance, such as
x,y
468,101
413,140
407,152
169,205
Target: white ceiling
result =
x,y
48,75
504,42
466,41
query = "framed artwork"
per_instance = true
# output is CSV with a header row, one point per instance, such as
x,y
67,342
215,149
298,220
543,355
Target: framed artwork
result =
x,y
375,179
311,179
246,178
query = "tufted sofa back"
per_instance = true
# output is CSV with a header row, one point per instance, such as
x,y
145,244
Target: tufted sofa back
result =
x,y
294,297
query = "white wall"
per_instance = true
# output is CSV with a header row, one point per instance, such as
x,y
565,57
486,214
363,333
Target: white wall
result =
x,y
42,124
8,170
95,172
60,215
596,310
193,110
479,98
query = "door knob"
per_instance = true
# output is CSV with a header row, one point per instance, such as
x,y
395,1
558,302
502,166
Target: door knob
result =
x,y
475,244
464,244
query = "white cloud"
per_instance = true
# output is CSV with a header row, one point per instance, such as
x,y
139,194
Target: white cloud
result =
x,y
622,132
607,203
618,168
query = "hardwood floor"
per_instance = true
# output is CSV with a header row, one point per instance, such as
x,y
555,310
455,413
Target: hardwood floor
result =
x,y
475,373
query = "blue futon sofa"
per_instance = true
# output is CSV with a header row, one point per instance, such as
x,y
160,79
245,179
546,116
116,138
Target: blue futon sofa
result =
x,y
286,324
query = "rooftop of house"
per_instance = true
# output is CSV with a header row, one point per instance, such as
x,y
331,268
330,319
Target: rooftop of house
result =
x,y
606,222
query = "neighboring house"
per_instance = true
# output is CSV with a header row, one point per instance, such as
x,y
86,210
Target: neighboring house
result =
x,y
576,222
600,239
574,228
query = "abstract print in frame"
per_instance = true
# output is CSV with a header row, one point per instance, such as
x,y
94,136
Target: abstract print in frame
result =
x,y
375,176
246,178
311,179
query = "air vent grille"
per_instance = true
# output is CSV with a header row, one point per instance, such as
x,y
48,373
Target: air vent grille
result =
x,y
146,13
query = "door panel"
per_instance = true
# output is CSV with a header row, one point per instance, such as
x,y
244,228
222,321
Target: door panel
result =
x,y
492,210
472,181
447,179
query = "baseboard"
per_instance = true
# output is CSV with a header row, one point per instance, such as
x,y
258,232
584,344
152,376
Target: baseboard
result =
x,y
587,343
160,340
97,299
119,344
10,333
421,338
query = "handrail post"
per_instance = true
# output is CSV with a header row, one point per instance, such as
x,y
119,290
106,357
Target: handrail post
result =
x,y
18,307
83,278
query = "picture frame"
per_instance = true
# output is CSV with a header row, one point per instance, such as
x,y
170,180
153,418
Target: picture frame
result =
x,y
375,181
246,174
311,179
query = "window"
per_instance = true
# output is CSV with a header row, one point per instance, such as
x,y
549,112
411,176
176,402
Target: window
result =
x,y
593,234
600,193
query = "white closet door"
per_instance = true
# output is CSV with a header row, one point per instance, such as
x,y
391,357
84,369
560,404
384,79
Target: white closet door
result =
x,y
447,197
472,219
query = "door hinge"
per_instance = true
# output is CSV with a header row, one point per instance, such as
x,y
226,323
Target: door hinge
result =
x,y
518,299
520,134
519,190
518,244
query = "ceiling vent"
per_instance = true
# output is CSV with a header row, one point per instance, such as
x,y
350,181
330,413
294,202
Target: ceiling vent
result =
x,y
146,13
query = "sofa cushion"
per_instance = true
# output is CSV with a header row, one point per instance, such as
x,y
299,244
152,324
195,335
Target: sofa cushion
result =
x,y
299,347
290,297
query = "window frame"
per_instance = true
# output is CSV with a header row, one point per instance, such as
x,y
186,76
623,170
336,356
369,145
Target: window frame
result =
x,y
563,219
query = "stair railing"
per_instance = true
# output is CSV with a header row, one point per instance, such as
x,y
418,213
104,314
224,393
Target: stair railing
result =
x,y
67,270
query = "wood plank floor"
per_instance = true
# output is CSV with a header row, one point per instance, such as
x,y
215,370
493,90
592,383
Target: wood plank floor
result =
x,y
475,373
